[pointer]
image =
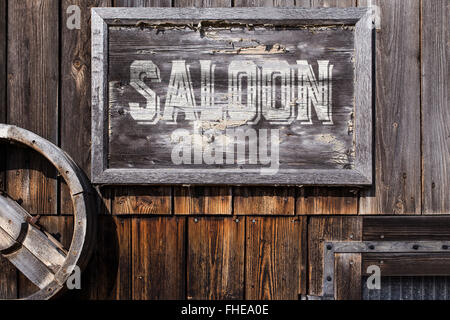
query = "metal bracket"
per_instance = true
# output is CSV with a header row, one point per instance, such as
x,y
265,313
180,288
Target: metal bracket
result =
x,y
331,248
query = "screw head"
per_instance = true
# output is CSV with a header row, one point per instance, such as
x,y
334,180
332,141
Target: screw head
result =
x,y
416,247
329,278
329,247
445,247
371,247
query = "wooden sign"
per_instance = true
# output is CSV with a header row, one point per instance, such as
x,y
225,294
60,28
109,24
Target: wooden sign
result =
x,y
232,96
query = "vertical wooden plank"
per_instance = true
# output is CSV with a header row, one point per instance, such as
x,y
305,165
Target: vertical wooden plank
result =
x,y
158,258
348,276
264,200
8,273
321,230
142,200
215,258
265,3
33,58
142,3
397,188
435,107
274,257
75,109
256,200
322,200
8,280
202,200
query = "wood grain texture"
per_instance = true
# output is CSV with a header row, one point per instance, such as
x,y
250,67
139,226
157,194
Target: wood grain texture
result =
x,y
8,273
61,228
264,201
33,98
332,201
276,200
142,200
265,3
333,3
435,107
406,228
215,258
418,264
202,3
3,86
203,200
397,188
75,106
158,258
275,261
321,230
108,274
348,276
8,280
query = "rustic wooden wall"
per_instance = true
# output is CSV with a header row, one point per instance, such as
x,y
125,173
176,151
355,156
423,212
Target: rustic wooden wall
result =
x,y
221,242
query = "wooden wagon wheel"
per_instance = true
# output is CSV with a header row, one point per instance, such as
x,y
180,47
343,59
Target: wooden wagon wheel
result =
x,y
39,256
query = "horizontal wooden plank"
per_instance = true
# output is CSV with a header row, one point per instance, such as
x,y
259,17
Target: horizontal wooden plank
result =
x,y
418,264
158,258
406,228
321,230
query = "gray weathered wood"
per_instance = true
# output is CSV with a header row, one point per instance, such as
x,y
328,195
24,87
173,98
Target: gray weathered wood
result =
x,y
435,107
84,221
325,16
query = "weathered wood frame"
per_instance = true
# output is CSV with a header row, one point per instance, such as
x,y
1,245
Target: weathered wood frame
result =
x,y
361,18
